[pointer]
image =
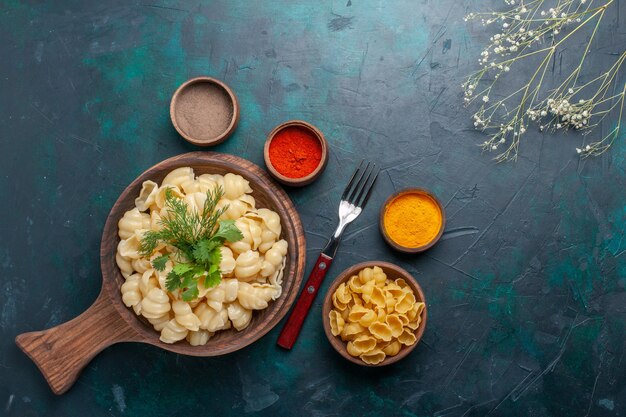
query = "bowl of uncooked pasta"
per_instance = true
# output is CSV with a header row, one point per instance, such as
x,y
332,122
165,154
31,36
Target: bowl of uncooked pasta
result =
x,y
202,255
374,313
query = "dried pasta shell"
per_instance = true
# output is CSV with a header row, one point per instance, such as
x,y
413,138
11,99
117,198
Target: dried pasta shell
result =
x,y
367,290
364,343
351,331
343,293
395,324
379,276
336,322
338,304
373,357
416,311
405,303
377,297
400,282
368,318
394,289
366,275
407,337
380,331
356,313
355,284
393,348
390,302
403,318
380,314
413,325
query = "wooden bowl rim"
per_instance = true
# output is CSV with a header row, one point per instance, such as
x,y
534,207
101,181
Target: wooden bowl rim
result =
x,y
293,232
339,345
308,179
233,122
383,229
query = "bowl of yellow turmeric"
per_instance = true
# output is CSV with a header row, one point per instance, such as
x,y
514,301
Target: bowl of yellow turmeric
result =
x,y
412,220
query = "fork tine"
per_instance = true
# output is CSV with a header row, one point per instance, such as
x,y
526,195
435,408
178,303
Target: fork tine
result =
x,y
362,202
363,187
358,185
344,196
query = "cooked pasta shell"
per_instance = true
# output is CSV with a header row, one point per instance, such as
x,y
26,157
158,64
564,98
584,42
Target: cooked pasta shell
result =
x,y
198,338
184,315
147,195
173,332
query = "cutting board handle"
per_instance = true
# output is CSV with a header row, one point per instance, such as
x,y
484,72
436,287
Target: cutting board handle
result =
x,y
63,351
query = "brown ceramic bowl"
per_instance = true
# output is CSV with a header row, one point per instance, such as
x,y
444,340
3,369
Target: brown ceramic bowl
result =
x,y
61,352
393,272
204,111
407,249
296,182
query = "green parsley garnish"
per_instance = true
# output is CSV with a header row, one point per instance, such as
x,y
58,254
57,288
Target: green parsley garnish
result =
x,y
198,236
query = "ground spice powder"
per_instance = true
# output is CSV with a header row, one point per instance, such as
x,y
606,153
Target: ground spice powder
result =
x,y
295,152
412,220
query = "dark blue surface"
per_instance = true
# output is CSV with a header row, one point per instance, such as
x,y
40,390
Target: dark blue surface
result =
x,y
525,292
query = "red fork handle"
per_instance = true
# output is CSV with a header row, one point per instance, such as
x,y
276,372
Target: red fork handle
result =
x,y
291,330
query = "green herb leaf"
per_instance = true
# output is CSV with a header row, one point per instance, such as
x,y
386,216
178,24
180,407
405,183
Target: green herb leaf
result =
x,y
182,268
213,277
159,263
216,257
228,231
190,293
189,280
172,282
198,236
202,250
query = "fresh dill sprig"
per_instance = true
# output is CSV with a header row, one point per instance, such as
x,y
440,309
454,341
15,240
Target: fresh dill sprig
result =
x,y
198,236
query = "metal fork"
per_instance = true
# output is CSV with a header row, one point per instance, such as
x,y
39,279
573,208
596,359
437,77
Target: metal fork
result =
x,y
353,201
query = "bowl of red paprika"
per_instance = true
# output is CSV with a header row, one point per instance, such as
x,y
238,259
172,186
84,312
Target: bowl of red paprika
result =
x,y
296,153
